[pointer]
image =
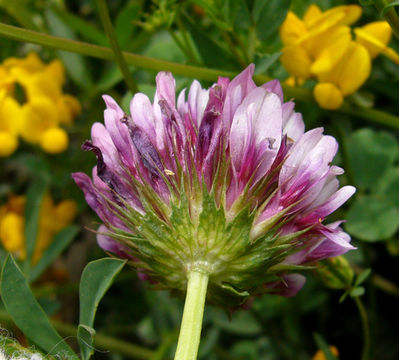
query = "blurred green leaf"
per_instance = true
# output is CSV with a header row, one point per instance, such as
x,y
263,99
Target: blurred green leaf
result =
x,y
372,219
366,2
242,322
263,62
74,63
88,31
27,313
388,6
370,154
60,241
388,186
269,15
22,12
124,23
34,199
96,278
362,277
212,54
357,291
111,76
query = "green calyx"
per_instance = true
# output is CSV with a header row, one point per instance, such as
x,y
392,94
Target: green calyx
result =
x,y
196,234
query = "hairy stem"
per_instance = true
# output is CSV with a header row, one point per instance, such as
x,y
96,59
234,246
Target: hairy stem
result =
x,y
190,330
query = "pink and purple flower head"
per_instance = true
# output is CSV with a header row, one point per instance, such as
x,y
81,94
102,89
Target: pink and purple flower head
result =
x,y
222,180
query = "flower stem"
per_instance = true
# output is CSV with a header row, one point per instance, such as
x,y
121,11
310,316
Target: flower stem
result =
x,y
119,58
190,330
365,326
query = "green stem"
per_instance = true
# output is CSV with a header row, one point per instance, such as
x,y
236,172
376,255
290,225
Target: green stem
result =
x,y
190,330
365,326
119,58
101,341
19,34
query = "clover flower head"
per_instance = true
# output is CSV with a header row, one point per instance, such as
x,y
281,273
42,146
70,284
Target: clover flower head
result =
x,y
222,180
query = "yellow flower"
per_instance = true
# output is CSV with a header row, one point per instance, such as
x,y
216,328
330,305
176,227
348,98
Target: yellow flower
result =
x,y
10,119
52,218
321,46
44,108
54,140
320,355
375,37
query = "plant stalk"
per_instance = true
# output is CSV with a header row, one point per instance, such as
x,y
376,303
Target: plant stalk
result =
x,y
190,330
119,58
365,326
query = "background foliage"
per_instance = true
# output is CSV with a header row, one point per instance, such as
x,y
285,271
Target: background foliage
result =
x,y
134,321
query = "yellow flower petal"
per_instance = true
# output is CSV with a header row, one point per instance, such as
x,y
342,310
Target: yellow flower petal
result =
x,y
12,234
65,212
8,144
54,140
336,36
328,96
353,69
296,61
330,56
339,15
10,115
375,37
312,14
55,70
38,115
68,107
41,84
291,29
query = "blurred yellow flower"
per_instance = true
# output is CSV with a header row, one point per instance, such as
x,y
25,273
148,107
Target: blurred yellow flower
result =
x,y
321,46
52,218
42,110
320,355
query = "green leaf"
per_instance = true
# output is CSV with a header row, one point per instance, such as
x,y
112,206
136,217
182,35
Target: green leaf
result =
x,y
388,187
22,12
96,278
357,291
74,63
27,313
371,218
362,276
323,346
124,23
366,2
371,154
60,241
34,199
269,15
241,322
86,336
85,29
388,6
264,62
212,54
